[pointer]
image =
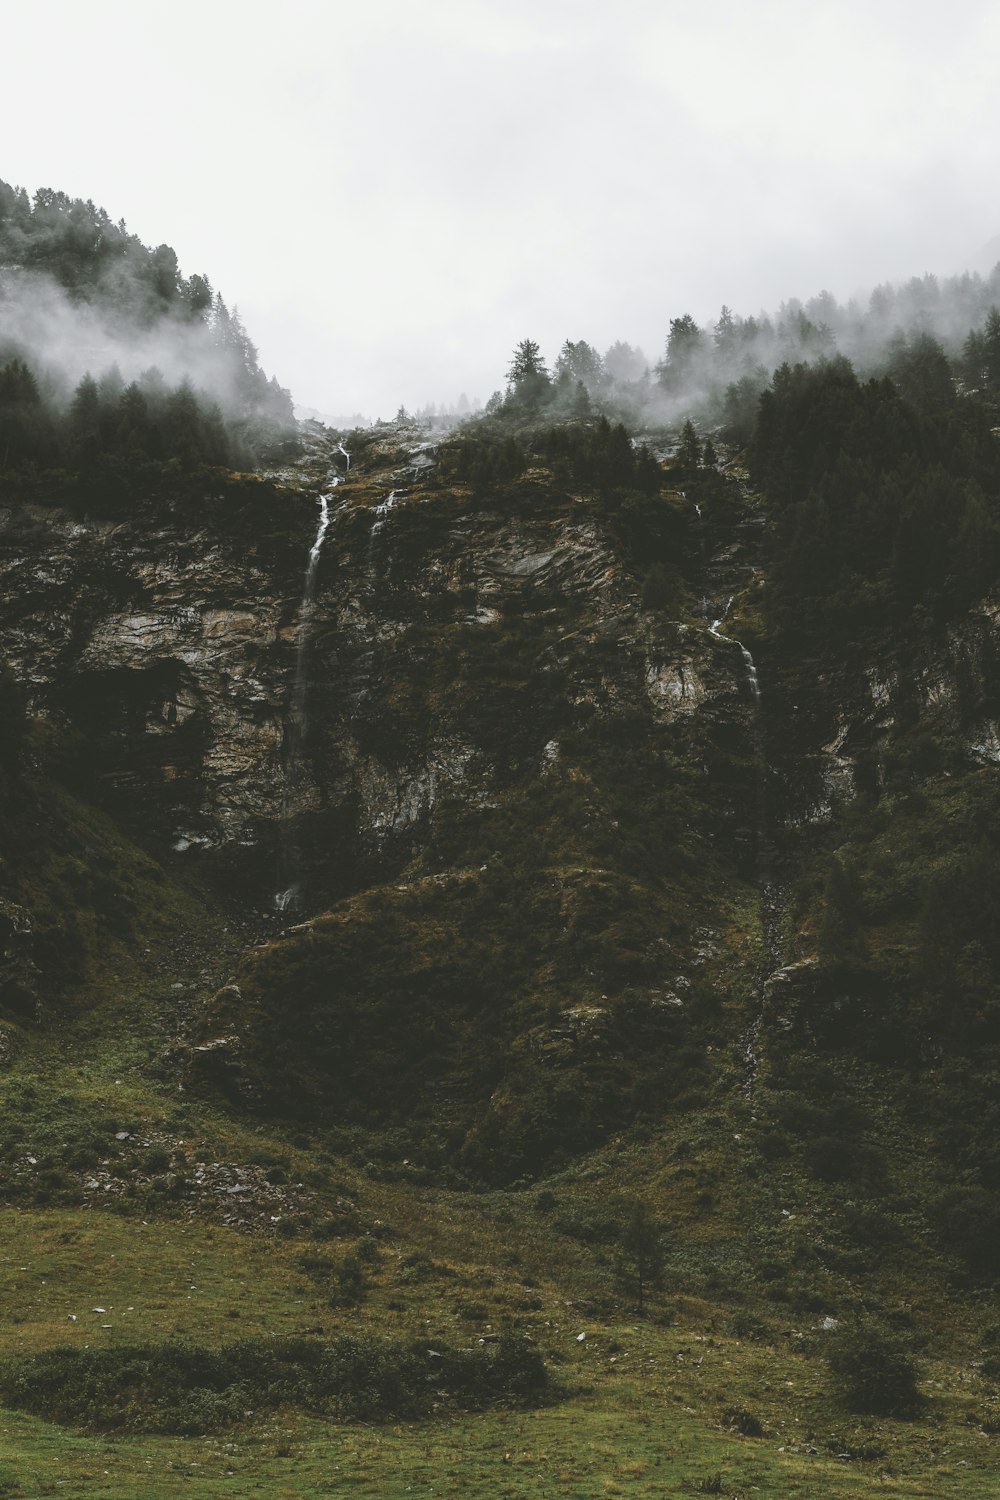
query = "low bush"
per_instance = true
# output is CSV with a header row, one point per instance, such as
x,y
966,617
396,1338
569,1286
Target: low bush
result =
x,y
188,1389
873,1369
738,1419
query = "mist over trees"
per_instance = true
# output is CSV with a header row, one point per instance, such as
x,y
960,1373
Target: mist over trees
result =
x,y
109,354
931,338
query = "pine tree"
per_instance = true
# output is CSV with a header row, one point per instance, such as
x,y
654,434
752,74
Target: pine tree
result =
x,y
991,348
528,379
684,342
85,422
689,450
132,434
22,419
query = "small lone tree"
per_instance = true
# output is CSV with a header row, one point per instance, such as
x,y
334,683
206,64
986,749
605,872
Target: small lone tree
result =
x,y
640,1253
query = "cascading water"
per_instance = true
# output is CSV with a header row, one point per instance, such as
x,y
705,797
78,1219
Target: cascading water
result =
x,y
749,666
381,511
288,897
770,902
380,515
297,717
702,554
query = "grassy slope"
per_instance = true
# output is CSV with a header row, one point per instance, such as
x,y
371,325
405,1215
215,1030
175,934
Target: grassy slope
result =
x,y
646,1403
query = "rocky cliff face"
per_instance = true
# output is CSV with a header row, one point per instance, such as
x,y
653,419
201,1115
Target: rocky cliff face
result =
x,y
168,655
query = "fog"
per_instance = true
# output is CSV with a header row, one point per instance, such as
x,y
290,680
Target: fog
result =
x,y
394,195
65,340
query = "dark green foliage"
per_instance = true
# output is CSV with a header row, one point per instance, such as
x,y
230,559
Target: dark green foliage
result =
x,y
741,403
188,1389
599,456
872,1369
920,369
350,1283
878,506
112,434
596,455
80,248
407,1009
967,1219
980,362
25,425
485,460
352,1278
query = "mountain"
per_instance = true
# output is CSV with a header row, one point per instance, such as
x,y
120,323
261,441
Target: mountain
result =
x,y
498,946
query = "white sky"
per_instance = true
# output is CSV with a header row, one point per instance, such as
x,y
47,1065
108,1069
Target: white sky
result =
x,y
394,194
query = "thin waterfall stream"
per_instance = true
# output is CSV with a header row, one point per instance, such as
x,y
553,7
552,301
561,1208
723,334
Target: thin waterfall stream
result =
x,y
380,514
769,894
289,895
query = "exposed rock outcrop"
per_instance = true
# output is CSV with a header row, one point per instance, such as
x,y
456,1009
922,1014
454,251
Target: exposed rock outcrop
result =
x,y
170,656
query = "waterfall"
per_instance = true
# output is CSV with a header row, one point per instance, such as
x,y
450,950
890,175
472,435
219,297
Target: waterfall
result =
x,y
751,672
749,665
768,891
702,555
288,897
380,514
381,511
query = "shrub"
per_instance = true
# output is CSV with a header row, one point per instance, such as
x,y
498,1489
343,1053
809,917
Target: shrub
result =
x,y
873,1370
419,1266
746,1325
969,1225
738,1419
351,1284
188,1389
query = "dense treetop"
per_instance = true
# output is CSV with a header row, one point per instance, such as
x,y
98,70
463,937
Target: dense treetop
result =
x,y
94,259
